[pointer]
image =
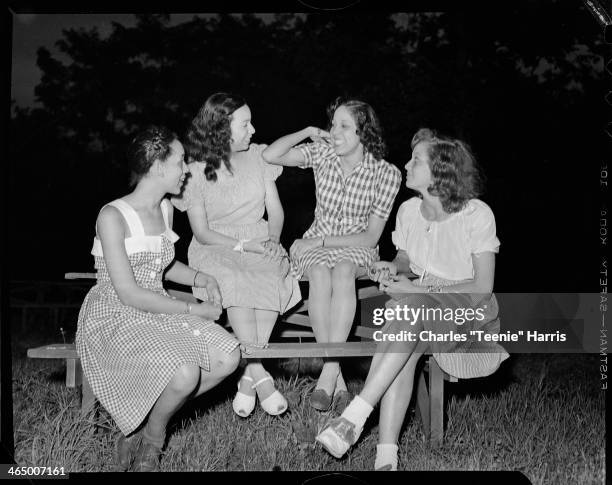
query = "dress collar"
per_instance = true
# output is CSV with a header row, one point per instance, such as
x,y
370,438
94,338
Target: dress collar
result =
x,y
368,162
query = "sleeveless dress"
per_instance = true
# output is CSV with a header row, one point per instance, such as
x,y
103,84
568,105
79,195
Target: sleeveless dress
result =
x,y
235,206
440,253
344,205
129,355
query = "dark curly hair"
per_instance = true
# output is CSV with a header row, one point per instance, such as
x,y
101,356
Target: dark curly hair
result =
x,y
150,144
209,135
457,178
368,125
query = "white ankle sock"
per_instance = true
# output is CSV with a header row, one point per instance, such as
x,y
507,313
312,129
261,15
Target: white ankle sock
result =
x,y
386,454
357,412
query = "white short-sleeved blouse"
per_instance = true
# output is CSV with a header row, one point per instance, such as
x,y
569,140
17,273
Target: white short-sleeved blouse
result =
x,y
444,249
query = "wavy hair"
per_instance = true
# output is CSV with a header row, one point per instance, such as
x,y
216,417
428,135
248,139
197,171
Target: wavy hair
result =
x,y
368,125
150,144
456,175
209,136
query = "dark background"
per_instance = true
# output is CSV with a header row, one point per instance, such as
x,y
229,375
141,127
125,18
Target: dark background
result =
x,y
523,84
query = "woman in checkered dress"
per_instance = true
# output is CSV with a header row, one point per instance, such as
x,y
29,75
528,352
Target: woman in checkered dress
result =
x,y
355,191
447,237
144,352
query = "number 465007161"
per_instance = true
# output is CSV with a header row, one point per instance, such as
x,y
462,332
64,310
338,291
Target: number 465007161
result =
x,y
33,471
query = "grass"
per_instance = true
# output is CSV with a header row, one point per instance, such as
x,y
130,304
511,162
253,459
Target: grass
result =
x,y
543,415
540,414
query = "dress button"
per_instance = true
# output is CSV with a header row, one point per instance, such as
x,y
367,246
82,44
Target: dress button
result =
x,y
152,274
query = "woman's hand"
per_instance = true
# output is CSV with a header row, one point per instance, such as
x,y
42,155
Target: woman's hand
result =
x,y
399,284
318,135
213,291
208,311
274,250
256,245
203,280
300,246
382,270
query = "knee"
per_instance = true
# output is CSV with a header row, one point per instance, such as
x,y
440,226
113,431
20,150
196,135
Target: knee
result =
x,y
228,363
319,274
185,378
343,274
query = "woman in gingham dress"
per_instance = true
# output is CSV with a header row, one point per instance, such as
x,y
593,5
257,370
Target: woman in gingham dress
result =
x,y
355,191
144,352
447,237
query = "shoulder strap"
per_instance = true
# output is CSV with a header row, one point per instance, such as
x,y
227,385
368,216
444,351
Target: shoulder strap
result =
x,y
165,207
130,215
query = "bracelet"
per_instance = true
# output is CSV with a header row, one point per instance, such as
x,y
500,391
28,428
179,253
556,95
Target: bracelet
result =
x,y
434,289
188,311
194,278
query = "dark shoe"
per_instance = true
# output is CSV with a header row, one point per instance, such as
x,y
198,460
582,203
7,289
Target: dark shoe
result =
x,y
125,449
320,400
147,457
342,399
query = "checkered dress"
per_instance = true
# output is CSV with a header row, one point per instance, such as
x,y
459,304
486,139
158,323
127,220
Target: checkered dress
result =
x,y
129,355
345,205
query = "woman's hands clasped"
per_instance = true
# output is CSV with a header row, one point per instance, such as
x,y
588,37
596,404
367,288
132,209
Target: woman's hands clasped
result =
x,y
382,270
398,283
207,310
274,250
300,246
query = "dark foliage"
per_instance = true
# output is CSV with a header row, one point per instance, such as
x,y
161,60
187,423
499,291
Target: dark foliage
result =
x,y
523,87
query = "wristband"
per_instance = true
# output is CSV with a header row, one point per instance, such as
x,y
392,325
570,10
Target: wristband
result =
x,y
188,311
194,278
434,289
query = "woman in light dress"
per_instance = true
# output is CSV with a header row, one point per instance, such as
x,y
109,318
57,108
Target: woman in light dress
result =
x,y
447,237
229,189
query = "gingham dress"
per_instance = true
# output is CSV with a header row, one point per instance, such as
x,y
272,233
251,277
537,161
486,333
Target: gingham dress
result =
x,y
345,205
129,355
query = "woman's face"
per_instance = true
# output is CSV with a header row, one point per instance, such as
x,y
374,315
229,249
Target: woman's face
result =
x,y
174,168
418,173
242,129
344,132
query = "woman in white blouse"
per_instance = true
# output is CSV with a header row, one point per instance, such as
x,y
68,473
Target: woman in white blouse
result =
x,y
447,237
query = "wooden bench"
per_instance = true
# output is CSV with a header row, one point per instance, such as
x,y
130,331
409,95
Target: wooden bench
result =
x,y
429,398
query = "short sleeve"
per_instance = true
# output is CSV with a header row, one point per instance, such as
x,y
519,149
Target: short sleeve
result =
x,y
193,189
482,229
387,189
399,236
314,153
270,171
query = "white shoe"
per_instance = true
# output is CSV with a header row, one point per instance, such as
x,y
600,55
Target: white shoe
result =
x,y
338,436
275,403
243,404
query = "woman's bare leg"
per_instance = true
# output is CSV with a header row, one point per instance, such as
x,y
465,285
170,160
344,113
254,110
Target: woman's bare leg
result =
x,y
172,398
341,316
244,324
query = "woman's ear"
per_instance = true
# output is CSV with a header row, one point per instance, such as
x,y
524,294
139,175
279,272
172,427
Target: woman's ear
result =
x,y
158,168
